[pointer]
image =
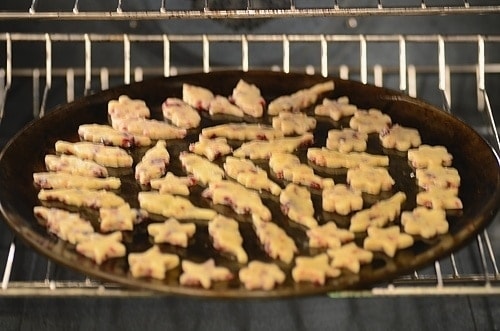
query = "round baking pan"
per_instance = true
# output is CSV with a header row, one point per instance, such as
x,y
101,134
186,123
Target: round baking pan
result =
x,y
475,160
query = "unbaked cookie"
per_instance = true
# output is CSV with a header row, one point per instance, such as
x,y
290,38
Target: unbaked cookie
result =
x,y
196,96
226,237
152,263
210,148
379,214
238,197
275,241
288,167
242,131
105,134
153,129
387,240
201,168
74,165
249,175
108,156
100,248
169,205
173,184
180,113
121,218
371,180
82,197
247,96
334,159
293,123
299,100
153,164
399,137
328,235
222,105
369,121
57,180
346,140
335,109
195,274
261,276
313,269
428,156
264,149
172,232
70,227
349,256
296,203
438,177
440,198
124,107
341,199
425,222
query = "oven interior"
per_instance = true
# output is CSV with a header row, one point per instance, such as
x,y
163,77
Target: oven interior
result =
x,y
446,53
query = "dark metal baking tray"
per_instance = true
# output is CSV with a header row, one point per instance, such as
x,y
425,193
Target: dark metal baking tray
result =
x,y
475,160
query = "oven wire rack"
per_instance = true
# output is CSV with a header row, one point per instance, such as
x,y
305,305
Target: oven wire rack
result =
x,y
289,8
445,277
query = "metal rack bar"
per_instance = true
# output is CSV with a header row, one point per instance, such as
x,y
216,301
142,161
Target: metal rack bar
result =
x,y
440,282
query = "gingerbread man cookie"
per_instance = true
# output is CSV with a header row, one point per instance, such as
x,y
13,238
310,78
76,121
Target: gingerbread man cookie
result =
x,y
369,179
210,148
425,222
437,176
341,199
335,109
293,123
369,121
428,156
440,198
328,235
400,138
124,107
388,240
346,140
350,257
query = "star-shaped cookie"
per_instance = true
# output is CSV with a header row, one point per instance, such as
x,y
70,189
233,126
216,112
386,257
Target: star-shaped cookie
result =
x,y
313,269
152,263
172,232
350,257
203,274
